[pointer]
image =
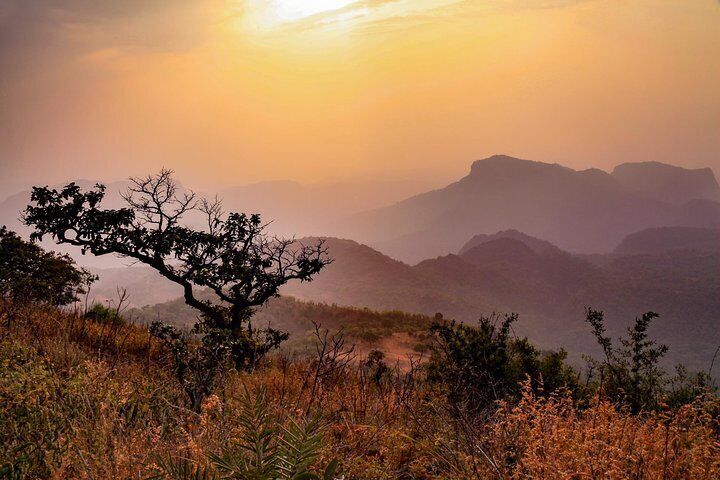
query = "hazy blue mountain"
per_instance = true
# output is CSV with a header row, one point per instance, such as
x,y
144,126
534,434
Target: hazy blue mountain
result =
x,y
533,243
656,240
581,211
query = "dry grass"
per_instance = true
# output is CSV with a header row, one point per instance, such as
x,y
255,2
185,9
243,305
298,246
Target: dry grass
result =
x,y
84,400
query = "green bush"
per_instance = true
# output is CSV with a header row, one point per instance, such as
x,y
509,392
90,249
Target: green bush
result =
x,y
105,315
479,365
30,274
32,418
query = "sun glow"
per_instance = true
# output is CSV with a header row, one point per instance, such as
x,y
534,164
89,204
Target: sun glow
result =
x,y
289,10
266,14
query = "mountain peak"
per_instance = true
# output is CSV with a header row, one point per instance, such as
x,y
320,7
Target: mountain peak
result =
x,y
501,249
535,244
668,182
507,165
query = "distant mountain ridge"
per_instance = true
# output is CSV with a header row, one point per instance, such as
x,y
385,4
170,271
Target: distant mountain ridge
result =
x,y
667,182
657,240
581,211
535,244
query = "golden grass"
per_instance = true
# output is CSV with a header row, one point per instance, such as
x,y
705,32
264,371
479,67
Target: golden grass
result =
x,y
99,403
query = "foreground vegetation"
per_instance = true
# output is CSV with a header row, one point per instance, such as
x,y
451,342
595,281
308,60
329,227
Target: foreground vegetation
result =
x,y
89,396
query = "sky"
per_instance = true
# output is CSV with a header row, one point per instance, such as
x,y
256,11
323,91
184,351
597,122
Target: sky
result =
x,y
230,92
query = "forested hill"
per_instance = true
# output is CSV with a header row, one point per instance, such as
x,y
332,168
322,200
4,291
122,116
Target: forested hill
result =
x,y
548,287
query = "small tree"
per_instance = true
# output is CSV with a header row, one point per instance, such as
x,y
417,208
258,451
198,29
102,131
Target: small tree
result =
x,y
29,274
232,256
630,373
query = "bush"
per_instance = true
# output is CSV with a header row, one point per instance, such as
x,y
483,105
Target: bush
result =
x,y
375,367
480,365
630,374
105,315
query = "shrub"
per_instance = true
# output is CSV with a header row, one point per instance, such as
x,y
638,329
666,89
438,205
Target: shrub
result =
x,y
265,449
105,315
479,365
630,374
550,437
375,367
32,420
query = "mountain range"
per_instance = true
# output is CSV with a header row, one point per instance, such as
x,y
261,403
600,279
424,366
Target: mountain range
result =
x,y
585,211
513,235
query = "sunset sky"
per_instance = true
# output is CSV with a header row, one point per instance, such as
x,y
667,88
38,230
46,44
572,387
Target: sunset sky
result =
x,y
239,91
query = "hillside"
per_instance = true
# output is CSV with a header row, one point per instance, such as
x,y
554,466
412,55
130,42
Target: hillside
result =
x,y
535,244
581,211
656,240
363,277
549,289
395,332
508,272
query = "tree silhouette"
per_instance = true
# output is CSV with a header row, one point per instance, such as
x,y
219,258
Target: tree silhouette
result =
x,y
232,255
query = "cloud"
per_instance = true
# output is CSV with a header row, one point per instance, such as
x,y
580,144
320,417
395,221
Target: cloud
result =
x,y
390,14
47,33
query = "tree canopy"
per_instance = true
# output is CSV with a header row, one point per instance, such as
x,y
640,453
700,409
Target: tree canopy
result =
x,y
232,255
30,274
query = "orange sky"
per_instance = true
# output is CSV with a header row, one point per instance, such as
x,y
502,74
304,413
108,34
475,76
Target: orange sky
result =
x,y
232,92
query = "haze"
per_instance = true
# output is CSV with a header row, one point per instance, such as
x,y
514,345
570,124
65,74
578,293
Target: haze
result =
x,y
233,92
